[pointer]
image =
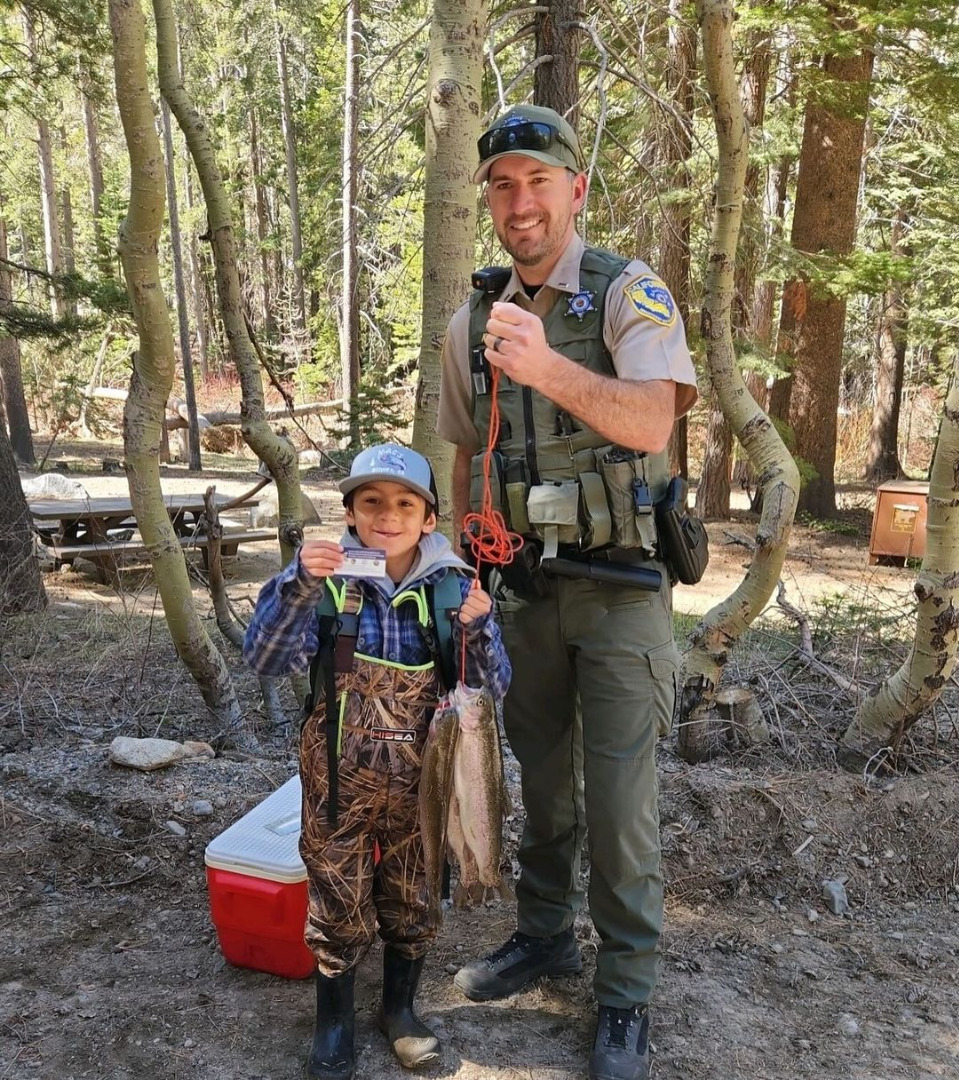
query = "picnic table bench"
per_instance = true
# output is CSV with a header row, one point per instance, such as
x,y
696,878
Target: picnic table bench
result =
x,y
99,529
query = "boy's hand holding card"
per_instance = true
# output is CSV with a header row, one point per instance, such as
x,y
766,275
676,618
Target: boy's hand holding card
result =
x,y
321,558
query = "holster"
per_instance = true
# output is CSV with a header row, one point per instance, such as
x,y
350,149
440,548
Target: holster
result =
x,y
683,542
524,575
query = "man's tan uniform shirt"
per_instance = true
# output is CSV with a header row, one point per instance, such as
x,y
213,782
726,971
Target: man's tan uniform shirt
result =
x,y
643,347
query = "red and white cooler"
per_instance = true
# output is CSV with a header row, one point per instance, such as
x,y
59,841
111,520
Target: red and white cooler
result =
x,y
257,884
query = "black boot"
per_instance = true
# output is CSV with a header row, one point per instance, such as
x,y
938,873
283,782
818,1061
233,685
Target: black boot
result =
x,y
621,1049
517,963
414,1045
332,1056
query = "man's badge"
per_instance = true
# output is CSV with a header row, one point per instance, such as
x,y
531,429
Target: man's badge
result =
x,y
581,304
651,299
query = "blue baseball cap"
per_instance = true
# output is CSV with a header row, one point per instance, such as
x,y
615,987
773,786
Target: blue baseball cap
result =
x,y
395,463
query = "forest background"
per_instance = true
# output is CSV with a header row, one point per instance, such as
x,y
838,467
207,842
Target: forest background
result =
x,y
335,232
811,910
329,220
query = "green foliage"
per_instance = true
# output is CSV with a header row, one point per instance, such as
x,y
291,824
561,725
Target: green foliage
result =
x,y
379,418
64,405
841,616
106,299
807,471
229,55
827,525
753,357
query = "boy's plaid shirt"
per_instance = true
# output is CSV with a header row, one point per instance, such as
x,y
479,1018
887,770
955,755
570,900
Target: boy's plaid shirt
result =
x,y
282,637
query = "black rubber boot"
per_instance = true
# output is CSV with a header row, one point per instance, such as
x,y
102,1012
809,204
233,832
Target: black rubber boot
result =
x,y
517,963
621,1048
414,1045
332,1056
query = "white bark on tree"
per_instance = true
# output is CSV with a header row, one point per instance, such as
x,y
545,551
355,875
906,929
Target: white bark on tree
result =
x,y
292,179
262,227
722,626
52,241
276,452
899,702
153,369
179,286
453,109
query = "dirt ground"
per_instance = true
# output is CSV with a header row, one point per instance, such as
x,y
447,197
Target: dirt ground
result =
x,y
111,968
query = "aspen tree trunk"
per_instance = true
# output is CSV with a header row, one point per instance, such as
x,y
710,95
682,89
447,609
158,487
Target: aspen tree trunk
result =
x,y
278,454
763,309
882,457
21,587
712,495
292,178
453,108
11,373
262,228
899,702
52,243
197,290
722,626
200,308
675,148
183,324
349,304
153,368
556,83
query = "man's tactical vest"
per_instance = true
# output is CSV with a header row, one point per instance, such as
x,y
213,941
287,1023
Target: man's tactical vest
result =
x,y
552,477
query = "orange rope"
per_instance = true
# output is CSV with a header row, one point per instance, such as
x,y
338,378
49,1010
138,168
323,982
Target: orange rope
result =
x,y
489,538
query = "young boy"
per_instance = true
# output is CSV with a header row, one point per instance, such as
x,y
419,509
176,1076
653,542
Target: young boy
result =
x,y
361,753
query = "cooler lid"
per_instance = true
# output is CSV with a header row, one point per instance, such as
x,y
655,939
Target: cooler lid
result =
x,y
264,842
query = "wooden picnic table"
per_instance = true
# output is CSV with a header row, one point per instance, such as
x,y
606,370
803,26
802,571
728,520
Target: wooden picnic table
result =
x,y
75,528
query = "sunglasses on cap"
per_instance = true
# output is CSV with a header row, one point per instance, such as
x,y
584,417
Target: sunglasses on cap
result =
x,y
531,135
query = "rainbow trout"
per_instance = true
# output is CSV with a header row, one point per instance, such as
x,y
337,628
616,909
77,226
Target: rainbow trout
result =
x,y
463,797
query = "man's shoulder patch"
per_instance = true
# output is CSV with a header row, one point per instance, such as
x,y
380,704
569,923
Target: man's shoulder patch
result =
x,y
651,299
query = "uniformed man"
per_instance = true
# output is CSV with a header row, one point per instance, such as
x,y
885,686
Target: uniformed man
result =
x,y
594,369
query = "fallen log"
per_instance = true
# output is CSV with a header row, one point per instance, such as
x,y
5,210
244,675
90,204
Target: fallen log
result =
x,y
177,417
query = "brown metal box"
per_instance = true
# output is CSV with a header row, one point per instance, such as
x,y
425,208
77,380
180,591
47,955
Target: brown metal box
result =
x,y
899,521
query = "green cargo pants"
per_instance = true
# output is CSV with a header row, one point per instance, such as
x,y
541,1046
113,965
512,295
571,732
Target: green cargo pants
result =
x,y
603,654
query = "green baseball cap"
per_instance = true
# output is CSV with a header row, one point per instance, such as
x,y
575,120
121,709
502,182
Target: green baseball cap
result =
x,y
533,131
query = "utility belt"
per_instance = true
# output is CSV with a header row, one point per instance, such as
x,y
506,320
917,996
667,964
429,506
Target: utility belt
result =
x,y
529,573
607,501
598,525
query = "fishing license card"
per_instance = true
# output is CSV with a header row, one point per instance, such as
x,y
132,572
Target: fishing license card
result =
x,y
362,562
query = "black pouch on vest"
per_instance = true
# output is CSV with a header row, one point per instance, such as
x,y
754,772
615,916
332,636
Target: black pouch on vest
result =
x,y
683,542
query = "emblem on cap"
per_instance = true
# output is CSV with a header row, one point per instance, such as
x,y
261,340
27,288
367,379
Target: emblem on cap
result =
x,y
651,299
581,304
389,459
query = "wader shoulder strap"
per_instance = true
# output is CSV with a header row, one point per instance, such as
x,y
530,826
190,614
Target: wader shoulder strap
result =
x,y
338,618
444,600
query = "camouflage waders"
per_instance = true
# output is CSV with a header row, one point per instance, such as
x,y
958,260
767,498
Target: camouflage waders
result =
x,y
385,711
